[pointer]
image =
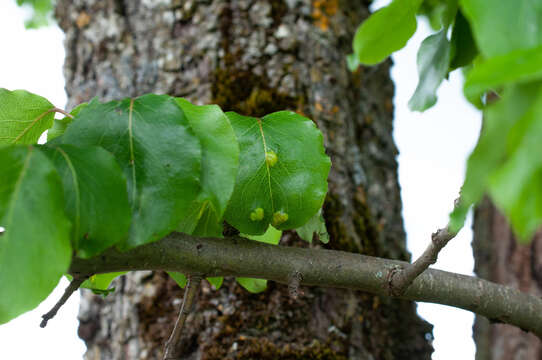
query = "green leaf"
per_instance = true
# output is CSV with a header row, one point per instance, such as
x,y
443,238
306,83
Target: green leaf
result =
x,y
35,246
386,31
515,67
23,117
99,283
283,171
440,13
515,186
505,25
271,236
179,278
216,281
95,195
490,152
60,125
41,14
433,63
252,285
316,225
463,47
220,162
158,152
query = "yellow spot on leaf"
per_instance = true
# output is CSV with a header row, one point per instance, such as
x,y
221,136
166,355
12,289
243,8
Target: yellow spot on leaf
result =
x,y
271,158
257,214
279,217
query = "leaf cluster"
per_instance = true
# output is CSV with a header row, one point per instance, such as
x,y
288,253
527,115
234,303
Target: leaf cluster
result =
x,y
499,48
126,173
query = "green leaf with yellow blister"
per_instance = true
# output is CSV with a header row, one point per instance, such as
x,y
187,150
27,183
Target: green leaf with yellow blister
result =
x,y
283,169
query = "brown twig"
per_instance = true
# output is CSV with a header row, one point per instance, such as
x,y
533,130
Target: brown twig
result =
x,y
399,279
72,287
172,349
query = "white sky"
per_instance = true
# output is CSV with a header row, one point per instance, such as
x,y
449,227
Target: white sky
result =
x,y
433,149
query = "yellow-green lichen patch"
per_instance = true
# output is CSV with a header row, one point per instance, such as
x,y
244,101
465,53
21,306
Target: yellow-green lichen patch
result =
x,y
278,218
271,158
257,214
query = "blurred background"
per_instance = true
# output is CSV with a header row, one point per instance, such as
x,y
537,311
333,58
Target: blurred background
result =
x,y
433,148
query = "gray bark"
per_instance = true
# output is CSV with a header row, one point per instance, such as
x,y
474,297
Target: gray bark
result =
x,y
501,259
254,57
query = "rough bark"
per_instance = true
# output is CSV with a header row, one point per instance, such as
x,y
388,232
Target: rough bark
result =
x,y
254,57
501,259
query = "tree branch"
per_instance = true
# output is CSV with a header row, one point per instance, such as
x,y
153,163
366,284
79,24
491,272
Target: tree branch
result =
x,y
70,289
401,278
172,350
241,257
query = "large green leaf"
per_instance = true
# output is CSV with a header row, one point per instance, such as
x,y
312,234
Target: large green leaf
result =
x,y
23,117
516,185
490,152
158,152
60,125
95,194
515,67
283,170
35,246
463,47
433,63
501,26
220,160
386,31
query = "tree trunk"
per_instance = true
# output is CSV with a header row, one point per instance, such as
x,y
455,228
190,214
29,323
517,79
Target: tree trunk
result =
x,y
254,57
501,259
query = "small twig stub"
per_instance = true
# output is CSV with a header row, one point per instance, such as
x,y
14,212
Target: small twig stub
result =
x,y
172,349
72,287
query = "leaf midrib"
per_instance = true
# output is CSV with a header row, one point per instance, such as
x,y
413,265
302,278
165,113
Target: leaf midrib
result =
x,y
38,118
266,166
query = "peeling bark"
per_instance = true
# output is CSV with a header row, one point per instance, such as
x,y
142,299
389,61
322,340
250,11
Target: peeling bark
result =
x,y
255,57
501,259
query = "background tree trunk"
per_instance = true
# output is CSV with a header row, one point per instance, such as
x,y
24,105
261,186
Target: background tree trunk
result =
x,y
501,259
254,57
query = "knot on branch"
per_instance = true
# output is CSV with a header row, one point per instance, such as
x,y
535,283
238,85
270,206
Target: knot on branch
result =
x,y
293,285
